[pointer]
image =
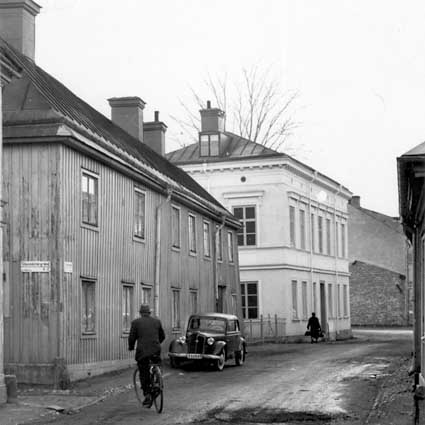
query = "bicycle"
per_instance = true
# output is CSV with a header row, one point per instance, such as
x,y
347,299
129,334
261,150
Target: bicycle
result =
x,y
156,386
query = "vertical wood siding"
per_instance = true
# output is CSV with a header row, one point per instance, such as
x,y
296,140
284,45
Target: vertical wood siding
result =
x,y
31,217
43,191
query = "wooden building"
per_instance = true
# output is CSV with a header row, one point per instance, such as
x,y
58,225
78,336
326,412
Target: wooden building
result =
x,y
8,69
97,222
411,184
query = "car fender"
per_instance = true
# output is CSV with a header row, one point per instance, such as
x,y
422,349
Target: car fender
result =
x,y
243,344
177,346
219,346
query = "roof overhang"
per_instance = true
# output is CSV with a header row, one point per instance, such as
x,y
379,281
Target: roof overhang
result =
x,y
411,179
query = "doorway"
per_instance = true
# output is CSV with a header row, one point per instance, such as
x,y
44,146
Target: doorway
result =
x,y
323,320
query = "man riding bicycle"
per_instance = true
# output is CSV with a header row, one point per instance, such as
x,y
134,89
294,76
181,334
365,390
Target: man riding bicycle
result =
x,y
148,333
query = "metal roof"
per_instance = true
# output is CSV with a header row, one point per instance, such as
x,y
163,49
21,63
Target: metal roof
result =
x,y
74,110
235,147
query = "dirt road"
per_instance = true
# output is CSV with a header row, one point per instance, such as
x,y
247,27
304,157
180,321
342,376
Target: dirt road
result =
x,y
326,383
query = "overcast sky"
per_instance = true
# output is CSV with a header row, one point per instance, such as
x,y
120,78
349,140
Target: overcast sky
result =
x,y
359,68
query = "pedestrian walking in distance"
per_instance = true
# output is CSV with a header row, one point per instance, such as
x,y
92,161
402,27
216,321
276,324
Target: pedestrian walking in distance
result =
x,y
148,333
314,326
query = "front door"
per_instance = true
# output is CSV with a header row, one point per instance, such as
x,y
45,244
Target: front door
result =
x,y
323,319
221,298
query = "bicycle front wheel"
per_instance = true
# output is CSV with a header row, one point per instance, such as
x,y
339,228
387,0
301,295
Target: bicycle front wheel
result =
x,y
158,390
137,386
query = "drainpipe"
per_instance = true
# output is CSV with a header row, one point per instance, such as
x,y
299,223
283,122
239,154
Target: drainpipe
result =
x,y
158,252
216,232
311,235
336,258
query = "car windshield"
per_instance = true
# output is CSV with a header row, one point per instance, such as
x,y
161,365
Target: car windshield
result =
x,y
207,324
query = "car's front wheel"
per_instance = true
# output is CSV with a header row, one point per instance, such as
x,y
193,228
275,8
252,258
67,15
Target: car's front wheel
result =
x,y
240,357
219,363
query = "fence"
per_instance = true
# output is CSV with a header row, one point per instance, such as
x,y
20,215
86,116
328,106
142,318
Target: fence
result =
x,y
265,329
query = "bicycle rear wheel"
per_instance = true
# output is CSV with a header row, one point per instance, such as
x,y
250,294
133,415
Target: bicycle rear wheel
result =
x,y
157,390
137,387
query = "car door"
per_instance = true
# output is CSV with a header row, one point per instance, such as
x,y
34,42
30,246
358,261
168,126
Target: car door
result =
x,y
233,336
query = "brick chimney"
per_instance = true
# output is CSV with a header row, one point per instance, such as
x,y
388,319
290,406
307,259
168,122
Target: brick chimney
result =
x,y
212,119
17,24
127,112
154,134
355,201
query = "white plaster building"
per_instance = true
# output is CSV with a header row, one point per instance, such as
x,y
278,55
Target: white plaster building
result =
x,y
293,244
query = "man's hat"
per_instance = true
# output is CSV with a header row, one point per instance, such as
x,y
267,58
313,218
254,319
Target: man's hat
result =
x,y
144,308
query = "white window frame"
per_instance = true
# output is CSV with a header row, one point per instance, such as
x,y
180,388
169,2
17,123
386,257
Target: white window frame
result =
x,y
191,219
175,309
244,299
137,192
146,289
206,232
127,309
95,177
176,244
292,232
294,297
245,220
230,248
304,295
84,306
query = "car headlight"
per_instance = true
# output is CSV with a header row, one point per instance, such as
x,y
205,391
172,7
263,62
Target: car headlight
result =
x,y
210,341
181,340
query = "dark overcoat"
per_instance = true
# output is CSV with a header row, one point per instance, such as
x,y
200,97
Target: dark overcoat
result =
x,y
148,333
314,326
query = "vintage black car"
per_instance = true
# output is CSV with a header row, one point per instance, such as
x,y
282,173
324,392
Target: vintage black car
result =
x,y
212,338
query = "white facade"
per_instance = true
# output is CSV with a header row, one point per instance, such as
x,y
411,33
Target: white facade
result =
x,y
293,269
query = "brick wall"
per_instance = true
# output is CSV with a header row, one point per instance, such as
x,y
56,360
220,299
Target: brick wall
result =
x,y
376,239
378,297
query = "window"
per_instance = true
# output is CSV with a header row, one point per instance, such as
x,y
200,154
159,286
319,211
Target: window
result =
x,y
315,297
345,302
88,307
247,234
147,295
342,240
139,214
193,302
175,309
328,236
175,223
219,243
330,301
338,300
302,229
232,326
249,293
320,230
304,295
234,303
89,198
127,307
337,239
207,241
192,234
230,246
313,230
294,300
209,144
292,225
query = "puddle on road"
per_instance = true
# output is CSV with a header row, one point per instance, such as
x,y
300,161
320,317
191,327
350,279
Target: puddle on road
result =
x,y
270,416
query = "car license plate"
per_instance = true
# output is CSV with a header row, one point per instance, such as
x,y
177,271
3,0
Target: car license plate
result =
x,y
194,356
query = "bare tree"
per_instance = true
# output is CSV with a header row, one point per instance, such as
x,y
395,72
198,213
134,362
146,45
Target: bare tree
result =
x,y
257,108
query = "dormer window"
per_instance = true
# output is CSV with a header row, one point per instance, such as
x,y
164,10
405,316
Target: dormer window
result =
x,y
209,144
